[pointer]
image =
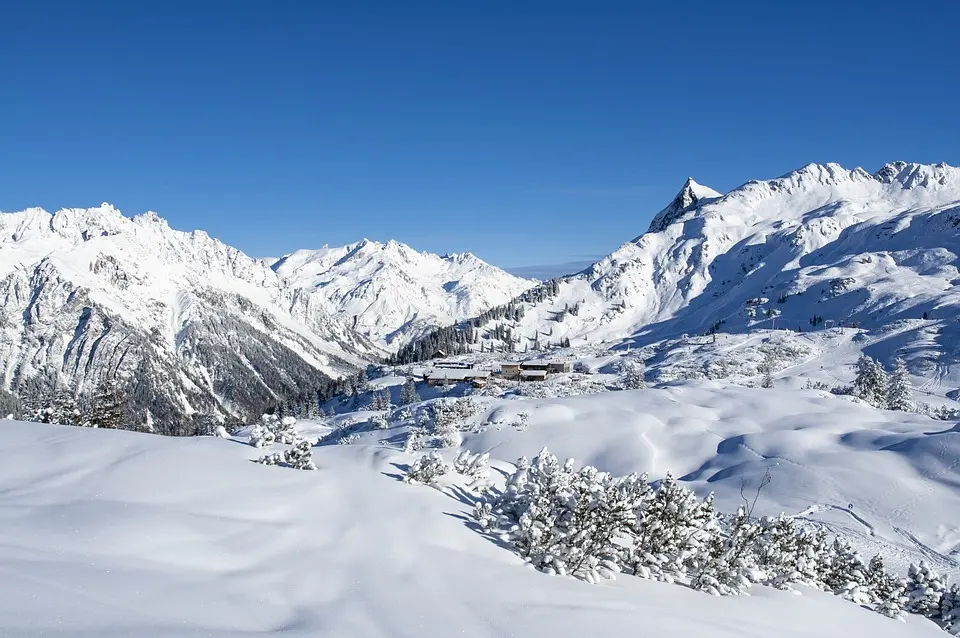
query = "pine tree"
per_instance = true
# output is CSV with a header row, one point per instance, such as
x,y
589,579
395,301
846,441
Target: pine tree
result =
x,y
767,367
107,406
63,409
408,393
672,528
871,382
300,456
427,469
726,565
846,574
950,610
887,589
925,590
633,375
899,396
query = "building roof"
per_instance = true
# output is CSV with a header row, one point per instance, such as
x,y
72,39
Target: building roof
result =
x,y
533,373
457,374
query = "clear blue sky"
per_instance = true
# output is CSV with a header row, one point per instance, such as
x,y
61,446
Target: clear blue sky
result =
x,y
527,133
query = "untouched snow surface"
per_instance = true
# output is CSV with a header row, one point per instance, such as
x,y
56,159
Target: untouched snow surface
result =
x,y
392,293
115,534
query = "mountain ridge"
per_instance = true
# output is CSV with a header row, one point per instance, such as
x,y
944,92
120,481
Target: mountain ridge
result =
x,y
393,292
821,242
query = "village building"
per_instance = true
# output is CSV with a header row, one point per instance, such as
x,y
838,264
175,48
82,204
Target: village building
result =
x,y
544,367
533,375
447,376
457,365
510,370
559,366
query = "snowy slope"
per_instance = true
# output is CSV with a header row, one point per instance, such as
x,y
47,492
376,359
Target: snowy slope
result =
x,y
88,293
391,292
845,245
102,538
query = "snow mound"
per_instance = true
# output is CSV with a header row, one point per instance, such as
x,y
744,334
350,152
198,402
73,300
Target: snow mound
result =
x,y
102,538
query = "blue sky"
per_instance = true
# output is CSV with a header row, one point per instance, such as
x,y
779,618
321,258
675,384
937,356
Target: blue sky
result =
x,y
528,133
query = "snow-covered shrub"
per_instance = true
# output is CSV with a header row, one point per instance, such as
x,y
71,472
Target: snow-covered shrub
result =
x,y
270,459
474,466
522,422
348,438
262,435
300,456
273,429
672,529
566,521
950,610
581,367
414,440
767,368
925,590
726,564
591,525
446,434
449,418
785,554
379,422
427,469
846,574
285,430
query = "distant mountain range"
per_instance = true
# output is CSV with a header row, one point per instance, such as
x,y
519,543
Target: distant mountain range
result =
x,y
193,326
820,245
390,292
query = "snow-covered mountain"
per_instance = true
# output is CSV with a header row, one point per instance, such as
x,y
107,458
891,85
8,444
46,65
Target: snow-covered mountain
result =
x,y
391,292
87,294
821,244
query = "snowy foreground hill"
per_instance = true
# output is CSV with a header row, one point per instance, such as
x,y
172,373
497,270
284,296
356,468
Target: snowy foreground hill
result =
x,y
819,247
110,533
392,293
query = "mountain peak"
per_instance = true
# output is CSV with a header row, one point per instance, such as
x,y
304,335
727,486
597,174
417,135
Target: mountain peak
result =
x,y
691,196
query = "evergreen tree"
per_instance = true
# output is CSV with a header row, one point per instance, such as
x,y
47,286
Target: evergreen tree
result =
x,y
871,382
726,566
633,375
107,407
950,610
767,368
925,590
887,589
899,396
672,528
408,393
300,456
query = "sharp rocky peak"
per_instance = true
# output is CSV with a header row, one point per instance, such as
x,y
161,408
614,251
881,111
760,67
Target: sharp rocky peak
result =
x,y
690,197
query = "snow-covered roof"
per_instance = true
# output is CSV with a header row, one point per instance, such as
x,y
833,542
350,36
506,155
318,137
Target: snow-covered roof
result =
x,y
457,374
533,373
